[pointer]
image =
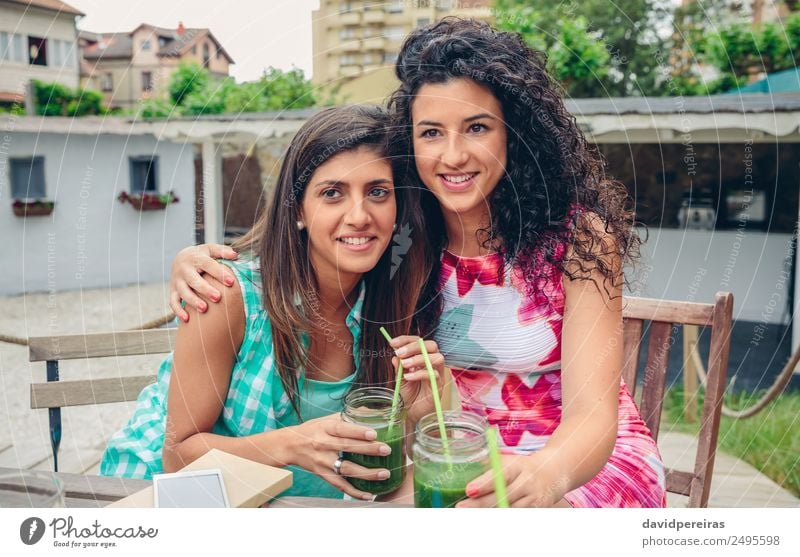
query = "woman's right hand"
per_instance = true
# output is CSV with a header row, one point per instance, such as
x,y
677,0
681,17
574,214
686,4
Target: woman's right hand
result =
x,y
317,444
187,282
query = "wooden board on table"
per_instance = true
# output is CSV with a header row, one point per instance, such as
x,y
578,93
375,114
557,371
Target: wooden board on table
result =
x,y
249,484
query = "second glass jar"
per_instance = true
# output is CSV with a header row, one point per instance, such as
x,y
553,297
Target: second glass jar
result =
x,y
372,407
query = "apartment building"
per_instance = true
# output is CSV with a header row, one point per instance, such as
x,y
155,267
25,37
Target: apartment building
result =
x,y
38,40
134,66
355,43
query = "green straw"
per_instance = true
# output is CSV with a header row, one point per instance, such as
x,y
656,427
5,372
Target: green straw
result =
x,y
497,469
436,402
397,381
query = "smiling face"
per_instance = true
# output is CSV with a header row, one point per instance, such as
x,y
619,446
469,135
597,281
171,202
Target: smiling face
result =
x,y
459,145
349,211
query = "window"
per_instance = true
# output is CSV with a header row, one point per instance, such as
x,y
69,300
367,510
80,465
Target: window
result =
x,y
395,33
5,46
389,57
18,50
146,45
206,54
219,54
347,60
107,82
37,51
60,52
27,178
147,81
370,58
347,33
395,7
194,49
143,174
423,21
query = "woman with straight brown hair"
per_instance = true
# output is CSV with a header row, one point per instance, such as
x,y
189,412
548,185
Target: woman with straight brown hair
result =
x,y
263,373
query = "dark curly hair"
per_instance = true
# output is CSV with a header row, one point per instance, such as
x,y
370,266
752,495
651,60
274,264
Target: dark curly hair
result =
x,y
554,192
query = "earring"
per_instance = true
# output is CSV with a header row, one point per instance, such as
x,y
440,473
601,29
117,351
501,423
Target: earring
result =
x,y
394,226
300,225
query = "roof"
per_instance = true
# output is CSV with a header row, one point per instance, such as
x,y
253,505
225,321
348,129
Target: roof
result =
x,y
628,120
120,45
787,81
53,5
112,45
748,104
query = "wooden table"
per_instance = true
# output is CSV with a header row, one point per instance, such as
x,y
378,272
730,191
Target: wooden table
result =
x,y
99,491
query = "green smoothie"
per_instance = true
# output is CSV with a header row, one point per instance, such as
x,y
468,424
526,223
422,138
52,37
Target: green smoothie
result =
x,y
438,485
394,462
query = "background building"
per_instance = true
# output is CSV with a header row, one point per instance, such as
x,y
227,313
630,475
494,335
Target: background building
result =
x,y
38,40
355,43
90,239
129,67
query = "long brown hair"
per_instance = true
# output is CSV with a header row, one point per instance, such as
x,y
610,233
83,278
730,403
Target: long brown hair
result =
x,y
393,286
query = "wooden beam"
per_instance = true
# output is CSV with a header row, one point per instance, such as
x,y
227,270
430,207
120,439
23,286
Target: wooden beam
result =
x,y
668,311
56,394
128,343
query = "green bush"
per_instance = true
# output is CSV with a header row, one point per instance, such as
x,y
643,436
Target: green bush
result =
x,y
55,99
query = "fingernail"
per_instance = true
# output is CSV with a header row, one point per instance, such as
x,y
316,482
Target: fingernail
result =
x,y
185,318
202,307
383,475
385,450
401,351
371,435
215,297
407,362
229,281
367,497
471,491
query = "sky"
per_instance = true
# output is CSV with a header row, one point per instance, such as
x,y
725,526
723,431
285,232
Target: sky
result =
x,y
256,33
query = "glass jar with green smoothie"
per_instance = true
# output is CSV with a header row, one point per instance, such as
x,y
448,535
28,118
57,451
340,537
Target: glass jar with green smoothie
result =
x,y
372,407
441,473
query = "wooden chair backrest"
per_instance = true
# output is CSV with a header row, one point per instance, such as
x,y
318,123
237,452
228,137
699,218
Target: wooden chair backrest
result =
x,y
57,394
663,317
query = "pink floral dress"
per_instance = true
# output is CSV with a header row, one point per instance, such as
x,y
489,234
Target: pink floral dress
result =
x,y
504,349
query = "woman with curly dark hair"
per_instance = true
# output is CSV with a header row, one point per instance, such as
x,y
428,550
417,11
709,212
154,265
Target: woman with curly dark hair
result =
x,y
527,296
524,297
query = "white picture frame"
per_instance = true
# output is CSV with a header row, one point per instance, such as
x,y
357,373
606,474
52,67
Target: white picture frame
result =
x,y
175,490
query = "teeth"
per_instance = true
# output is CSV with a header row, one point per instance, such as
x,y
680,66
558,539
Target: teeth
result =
x,y
354,241
458,179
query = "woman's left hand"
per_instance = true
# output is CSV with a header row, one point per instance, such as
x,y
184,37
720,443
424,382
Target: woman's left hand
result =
x,y
416,385
531,481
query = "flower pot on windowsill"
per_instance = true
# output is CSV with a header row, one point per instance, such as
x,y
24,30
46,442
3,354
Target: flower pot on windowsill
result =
x,y
36,208
148,201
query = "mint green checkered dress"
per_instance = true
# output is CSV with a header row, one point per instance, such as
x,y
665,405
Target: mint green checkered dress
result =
x,y
256,400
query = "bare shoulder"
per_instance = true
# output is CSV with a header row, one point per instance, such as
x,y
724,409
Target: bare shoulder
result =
x,y
593,248
223,323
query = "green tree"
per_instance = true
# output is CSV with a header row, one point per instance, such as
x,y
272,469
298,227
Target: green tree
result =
x,y
188,78
625,29
275,90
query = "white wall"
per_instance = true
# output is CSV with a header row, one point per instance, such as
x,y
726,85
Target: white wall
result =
x,y
694,265
91,239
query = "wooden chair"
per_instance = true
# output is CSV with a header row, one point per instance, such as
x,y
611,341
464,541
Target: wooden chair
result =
x,y
663,317
56,394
